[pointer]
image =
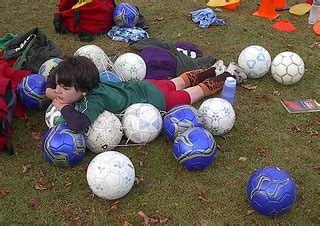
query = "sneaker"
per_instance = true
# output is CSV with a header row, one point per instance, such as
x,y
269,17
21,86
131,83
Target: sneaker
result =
x,y
237,71
220,67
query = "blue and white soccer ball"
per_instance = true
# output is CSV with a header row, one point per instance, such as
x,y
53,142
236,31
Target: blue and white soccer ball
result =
x,y
110,175
130,67
31,91
195,148
181,118
218,115
126,15
63,147
255,61
287,68
109,76
104,134
53,116
142,123
271,191
47,66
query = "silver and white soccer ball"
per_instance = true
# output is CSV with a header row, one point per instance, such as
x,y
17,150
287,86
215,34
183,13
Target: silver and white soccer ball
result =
x,y
255,61
53,116
287,68
96,54
110,175
131,67
142,123
104,134
218,115
47,66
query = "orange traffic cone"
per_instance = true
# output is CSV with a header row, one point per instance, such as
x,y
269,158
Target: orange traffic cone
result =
x,y
267,9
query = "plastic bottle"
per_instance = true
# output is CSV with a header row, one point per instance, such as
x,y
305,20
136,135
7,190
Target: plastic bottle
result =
x,y
229,90
315,10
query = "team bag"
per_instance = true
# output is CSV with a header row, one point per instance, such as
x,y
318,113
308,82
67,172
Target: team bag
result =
x,y
84,16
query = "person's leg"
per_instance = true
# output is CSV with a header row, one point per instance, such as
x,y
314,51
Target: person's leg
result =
x,y
193,78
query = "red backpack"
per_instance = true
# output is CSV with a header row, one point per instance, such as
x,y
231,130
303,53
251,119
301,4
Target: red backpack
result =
x,y
8,102
94,17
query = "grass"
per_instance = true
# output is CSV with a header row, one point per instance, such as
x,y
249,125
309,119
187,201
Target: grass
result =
x,y
32,191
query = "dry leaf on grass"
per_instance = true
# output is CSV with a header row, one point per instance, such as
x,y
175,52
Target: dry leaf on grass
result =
x,y
263,97
261,150
249,86
4,192
249,212
243,159
158,219
202,195
114,206
295,129
315,44
313,133
25,168
36,135
43,184
126,223
276,93
33,203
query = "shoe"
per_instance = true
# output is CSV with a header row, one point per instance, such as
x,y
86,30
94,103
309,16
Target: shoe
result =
x,y
220,67
237,72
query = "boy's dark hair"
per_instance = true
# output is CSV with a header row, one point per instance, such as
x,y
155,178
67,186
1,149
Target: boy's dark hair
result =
x,y
78,71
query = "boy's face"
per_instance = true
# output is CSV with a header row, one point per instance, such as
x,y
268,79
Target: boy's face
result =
x,y
68,95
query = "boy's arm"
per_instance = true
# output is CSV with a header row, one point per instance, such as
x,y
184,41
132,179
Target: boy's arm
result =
x,y
76,120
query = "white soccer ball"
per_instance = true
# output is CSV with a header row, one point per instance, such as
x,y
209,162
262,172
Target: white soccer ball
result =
x,y
96,54
110,175
142,123
46,67
104,134
131,67
287,68
255,61
53,116
218,115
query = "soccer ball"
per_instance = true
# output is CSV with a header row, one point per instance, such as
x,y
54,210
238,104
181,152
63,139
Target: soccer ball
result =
x,y
131,67
287,68
108,76
63,147
104,134
96,54
142,123
271,191
181,118
110,175
31,91
195,148
255,61
126,15
53,116
218,115
46,67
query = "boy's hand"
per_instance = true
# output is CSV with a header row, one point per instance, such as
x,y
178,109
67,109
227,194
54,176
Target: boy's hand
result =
x,y
51,93
58,104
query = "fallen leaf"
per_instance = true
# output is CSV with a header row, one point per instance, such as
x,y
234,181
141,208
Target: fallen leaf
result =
x,y
126,223
68,183
33,203
261,150
249,212
276,93
159,18
44,185
209,43
315,44
249,86
114,206
138,180
202,195
4,192
313,133
179,35
140,163
25,168
243,159
36,135
295,129
317,167
263,97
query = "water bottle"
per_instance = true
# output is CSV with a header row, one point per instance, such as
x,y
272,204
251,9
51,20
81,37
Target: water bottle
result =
x,y
229,90
315,10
